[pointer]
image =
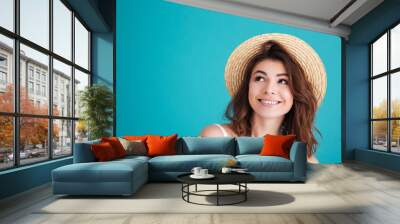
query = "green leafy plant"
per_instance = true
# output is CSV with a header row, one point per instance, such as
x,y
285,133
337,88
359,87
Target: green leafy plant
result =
x,y
97,103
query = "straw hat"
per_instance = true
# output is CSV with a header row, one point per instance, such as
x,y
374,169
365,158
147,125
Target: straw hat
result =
x,y
300,51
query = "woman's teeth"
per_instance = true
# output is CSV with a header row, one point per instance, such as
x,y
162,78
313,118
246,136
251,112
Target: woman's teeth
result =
x,y
269,102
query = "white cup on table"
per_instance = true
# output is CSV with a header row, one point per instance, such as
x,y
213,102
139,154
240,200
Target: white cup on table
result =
x,y
196,171
203,172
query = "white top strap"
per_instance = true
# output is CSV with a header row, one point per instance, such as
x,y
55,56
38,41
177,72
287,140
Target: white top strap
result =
x,y
222,130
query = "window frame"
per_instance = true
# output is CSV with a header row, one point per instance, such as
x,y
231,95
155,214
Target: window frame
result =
x,y
388,74
16,115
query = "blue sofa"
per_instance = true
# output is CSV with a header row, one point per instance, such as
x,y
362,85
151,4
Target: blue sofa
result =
x,y
126,175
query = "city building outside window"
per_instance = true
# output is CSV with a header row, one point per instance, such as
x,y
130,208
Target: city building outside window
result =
x,y
3,61
3,72
30,72
30,87
3,78
37,89
37,75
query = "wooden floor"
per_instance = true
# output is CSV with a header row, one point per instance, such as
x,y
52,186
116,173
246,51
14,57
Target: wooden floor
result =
x,y
377,188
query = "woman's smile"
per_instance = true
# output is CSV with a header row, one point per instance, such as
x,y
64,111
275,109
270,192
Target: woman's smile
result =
x,y
267,102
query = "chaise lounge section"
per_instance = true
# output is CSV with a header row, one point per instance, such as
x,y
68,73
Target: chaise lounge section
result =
x,y
125,176
88,177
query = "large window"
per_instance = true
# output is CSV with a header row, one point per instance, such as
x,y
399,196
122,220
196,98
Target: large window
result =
x,y
44,65
385,91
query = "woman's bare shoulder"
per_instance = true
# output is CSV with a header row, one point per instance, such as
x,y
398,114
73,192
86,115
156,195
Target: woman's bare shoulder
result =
x,y
214,131
228,129
211,130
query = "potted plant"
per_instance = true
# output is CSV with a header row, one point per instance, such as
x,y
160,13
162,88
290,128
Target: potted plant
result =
x,y
97,103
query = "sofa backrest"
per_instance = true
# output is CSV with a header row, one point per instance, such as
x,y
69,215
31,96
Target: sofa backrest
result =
x,y
190,146
206,145
249,145
83,152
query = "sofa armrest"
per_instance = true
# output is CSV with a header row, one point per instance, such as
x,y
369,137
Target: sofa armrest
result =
x,y
298,155
83,152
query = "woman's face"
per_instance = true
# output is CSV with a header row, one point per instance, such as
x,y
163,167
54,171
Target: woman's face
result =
x,y
269,92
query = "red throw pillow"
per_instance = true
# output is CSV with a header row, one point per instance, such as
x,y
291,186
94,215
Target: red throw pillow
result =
x,y
103,151
277,145
161,145
116,145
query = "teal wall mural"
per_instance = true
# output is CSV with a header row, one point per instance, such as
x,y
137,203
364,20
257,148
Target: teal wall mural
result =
x,y
170,62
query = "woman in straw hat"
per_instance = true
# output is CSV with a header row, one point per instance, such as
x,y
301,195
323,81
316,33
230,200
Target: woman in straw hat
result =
x,y
276,82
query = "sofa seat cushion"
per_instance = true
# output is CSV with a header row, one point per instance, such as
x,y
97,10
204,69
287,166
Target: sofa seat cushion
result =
x,y
257,163
185,163
133,158
111,171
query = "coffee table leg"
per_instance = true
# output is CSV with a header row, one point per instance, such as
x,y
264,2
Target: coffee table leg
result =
x,y
217,194
245,193
188,189
196,188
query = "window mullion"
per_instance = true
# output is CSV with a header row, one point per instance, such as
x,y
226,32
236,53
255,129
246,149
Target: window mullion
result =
x,y
389,106
73,82
371,89
16,84
50,77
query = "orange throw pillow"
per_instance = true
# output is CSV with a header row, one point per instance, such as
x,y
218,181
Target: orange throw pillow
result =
x,y
277,145
116,145
135,138
161,145
103,151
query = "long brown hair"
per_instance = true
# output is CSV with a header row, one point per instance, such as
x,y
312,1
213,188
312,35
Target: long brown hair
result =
x,y
299,120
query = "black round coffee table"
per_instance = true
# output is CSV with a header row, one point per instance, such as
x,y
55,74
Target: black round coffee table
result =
x,y
238,179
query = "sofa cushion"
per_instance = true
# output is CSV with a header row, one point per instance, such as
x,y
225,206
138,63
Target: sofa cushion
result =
x,y
116,145
161,145
83,152
142,138
277,145
135,138
249,145
206,145
103,151
131,158
111,171
185,163
257,163
134,147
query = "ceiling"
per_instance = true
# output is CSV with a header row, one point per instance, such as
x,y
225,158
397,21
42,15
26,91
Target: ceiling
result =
x,y
98,15
327,16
